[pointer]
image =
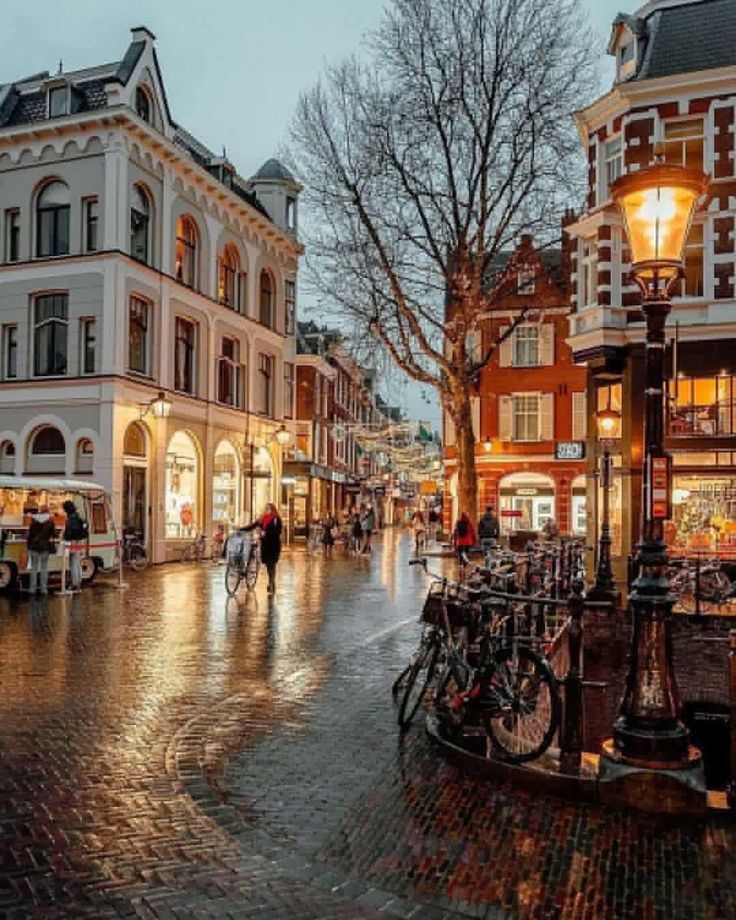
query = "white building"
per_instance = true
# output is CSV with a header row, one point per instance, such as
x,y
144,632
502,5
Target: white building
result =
x,y
132,261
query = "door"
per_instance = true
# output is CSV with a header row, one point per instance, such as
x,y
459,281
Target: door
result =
x,y
134,500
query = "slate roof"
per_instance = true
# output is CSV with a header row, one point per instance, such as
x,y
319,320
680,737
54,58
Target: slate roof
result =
x,y
274,169
23,102
679,39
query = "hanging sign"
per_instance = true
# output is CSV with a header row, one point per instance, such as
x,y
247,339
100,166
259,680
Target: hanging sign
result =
x,y
659,488
569,450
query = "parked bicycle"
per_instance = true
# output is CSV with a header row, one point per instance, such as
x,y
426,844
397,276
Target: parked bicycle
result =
x,y
243,561
134,551
196,550
480,653
699,585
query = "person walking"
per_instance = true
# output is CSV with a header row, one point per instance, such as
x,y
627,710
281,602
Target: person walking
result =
x,y
434,523
356,533
40,543
329,532
463,537
270,526
419,531
75,531
489,531
368,522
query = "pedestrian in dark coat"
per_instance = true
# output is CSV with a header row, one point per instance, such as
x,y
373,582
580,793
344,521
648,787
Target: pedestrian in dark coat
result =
x,y
270,526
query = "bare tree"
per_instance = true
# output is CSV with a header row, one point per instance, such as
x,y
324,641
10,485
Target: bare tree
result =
x,y
424,160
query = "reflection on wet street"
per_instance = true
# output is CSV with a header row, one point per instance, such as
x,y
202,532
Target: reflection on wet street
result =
x,y
169,752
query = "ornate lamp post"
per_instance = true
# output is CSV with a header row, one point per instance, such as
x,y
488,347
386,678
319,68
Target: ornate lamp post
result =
x,y
608,420
657,203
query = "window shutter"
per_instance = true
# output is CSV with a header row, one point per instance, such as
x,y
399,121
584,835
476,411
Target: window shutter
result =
x,y
506,351
579,420
546,416
505,417
475,415
547,344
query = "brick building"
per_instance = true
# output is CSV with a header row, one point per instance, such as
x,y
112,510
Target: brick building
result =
x,y
675,90
529,411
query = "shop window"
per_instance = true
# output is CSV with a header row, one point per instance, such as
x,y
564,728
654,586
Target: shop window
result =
x,y
226,485
186,251
12,235
266,299
138,345
683,142
50,328
184,354
182,486
140,219
52,220
703,513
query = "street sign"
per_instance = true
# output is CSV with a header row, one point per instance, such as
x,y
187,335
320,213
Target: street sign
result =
x,y
659,490
570,450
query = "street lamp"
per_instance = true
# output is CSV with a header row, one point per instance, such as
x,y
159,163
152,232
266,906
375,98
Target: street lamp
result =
x,y
283,436
160,406
657,203
608,421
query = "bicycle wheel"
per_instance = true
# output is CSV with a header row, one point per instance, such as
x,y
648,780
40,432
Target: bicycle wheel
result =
x,y
420,677
233,574
400,680
524,707
251,571
138,558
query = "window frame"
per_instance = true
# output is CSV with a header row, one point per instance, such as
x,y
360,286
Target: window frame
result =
x,y
229,371
683,141
144,221
265,370
58,92
266,274
523,337
10,348
523,399
90,224
289,389
87,340
289,306
135,301
57,215
189,346
54,322
12,235
189,250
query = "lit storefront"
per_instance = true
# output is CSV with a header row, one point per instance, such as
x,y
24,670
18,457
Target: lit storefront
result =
x,y
226,486
526,501
182,486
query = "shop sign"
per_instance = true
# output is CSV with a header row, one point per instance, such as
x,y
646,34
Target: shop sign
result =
x,y
526,491
510,512
570,450
659,491
428,487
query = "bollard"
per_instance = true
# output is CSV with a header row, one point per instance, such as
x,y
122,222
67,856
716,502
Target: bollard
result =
x,y
732,704
571,730
121,585
64,592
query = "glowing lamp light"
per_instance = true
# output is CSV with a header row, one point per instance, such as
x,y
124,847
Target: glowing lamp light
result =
x,y
283,436
608,420
160,407
658,203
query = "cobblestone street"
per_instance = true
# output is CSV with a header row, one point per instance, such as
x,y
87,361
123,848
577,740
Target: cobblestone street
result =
x,y
169,753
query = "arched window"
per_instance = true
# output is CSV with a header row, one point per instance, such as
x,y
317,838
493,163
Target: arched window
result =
x,y
134,443
266,299
85,455
142,104
48,440
228,286
230,373
7,457
182,486
52,215
140,219
185,255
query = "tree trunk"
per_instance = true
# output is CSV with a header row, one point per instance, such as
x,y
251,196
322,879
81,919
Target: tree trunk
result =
x,y
460,411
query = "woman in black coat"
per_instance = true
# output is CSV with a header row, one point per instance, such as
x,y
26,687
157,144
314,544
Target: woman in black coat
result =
x,y
270,526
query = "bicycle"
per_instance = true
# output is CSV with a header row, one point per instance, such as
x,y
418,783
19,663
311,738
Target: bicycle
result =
x,y
510,690
134,552
699,585
196,550
243,562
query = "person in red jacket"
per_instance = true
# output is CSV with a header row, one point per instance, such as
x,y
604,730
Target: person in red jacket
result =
x,y
463,537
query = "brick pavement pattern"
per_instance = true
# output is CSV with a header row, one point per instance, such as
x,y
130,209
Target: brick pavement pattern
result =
x,y
166,753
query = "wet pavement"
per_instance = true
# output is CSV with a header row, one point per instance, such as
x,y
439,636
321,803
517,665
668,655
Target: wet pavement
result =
x,y
167,753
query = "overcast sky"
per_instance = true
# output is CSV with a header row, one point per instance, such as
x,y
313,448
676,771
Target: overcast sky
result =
x,y
233,70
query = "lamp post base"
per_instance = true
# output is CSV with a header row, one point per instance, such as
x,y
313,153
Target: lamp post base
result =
x,y
677,788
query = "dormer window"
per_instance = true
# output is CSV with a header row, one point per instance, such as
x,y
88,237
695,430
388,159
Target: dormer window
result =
x,y
142,104
58,101
626,59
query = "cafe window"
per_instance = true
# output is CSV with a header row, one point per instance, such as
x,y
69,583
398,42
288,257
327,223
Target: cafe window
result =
x,y
702,407
683,142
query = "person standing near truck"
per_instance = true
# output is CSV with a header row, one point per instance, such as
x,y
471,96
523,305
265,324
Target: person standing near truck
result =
x,y
40,543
